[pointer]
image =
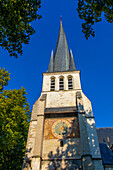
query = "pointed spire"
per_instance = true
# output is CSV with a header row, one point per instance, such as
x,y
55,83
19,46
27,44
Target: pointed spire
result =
x,y
50,68
72,62
61,57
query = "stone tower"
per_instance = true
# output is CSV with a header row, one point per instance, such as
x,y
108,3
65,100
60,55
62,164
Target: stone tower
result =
x,y
62,132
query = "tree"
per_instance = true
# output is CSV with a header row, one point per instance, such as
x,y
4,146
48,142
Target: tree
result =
x,y
15,19
91,12
14,121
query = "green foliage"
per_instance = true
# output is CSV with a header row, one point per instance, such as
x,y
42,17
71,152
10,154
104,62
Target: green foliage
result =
x,y
15,19
91,12
14,121
4,78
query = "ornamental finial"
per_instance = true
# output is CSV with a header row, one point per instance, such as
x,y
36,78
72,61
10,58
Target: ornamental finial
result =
x,y
61,19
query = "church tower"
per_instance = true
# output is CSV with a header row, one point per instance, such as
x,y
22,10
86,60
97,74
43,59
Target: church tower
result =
x,y
62,132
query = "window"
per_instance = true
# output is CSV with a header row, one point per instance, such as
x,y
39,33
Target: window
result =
x,y
61,143
70,84
61,83
52,84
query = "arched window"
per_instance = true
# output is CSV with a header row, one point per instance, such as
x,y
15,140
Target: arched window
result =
x,y
61,83
70,83
52,88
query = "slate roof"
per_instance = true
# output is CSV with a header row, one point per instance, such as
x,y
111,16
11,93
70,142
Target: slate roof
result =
x,y
105,135
106,153
63,58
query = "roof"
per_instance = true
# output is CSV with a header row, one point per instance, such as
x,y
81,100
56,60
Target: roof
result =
x,y
105,135
106,153
63,58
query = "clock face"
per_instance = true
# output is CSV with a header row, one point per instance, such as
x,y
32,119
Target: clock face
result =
x,y
61,129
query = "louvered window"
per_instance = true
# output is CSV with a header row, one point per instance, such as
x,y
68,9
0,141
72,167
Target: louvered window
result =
x,y
61,83
52,84
70,83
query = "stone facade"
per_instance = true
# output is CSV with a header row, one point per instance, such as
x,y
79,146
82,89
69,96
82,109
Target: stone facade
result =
x,y
47,79
80,148
62,133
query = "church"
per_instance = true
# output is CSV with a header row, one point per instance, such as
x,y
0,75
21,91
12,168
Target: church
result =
x,y
62,133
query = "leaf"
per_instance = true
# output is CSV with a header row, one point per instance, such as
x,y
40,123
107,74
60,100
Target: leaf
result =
x,y
14,122
90,12
15,20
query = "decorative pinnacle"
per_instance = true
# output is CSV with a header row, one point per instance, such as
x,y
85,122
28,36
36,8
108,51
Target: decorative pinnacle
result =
x,y
61,19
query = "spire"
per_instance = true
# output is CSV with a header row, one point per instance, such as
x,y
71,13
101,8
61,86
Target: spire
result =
x,y
63,59
50,68
72,62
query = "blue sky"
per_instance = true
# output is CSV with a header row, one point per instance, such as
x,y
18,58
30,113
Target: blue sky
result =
x,y
94,57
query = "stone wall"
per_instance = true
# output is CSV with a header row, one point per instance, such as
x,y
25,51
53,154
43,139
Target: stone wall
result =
x,y
87,105
45,148
109,167
91,128
71,144
70,149
60,99
61,164
47,80
31,138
